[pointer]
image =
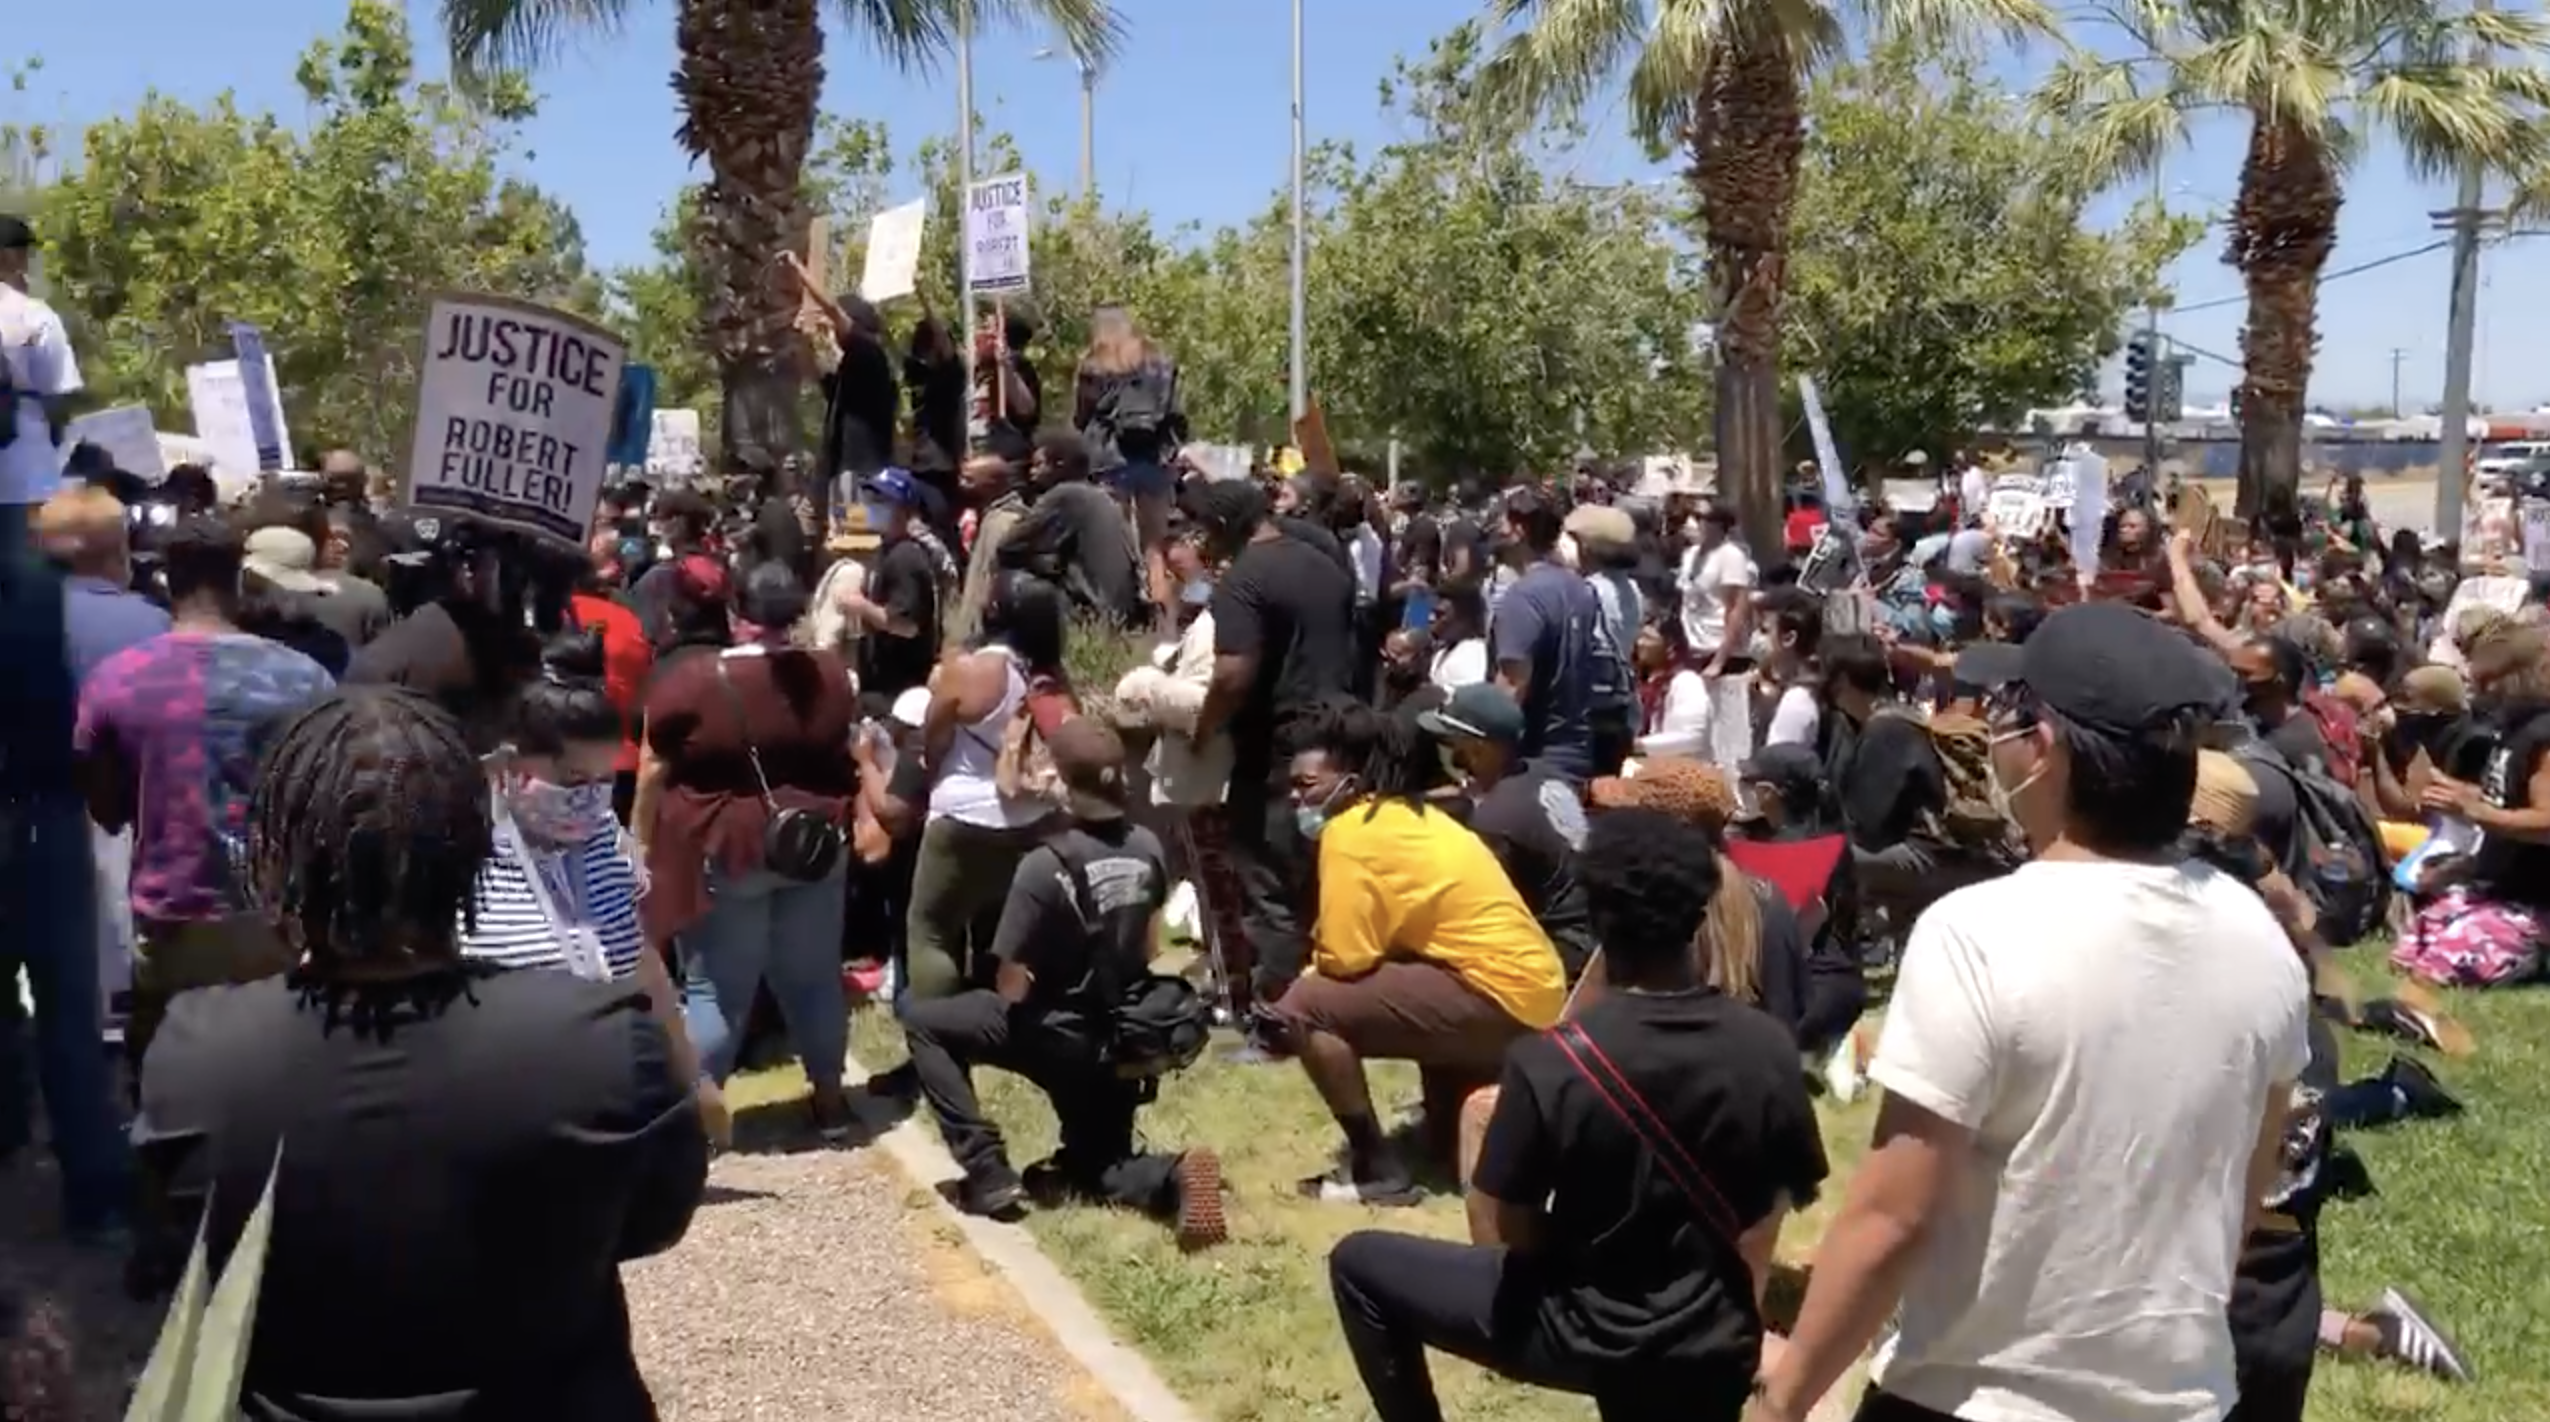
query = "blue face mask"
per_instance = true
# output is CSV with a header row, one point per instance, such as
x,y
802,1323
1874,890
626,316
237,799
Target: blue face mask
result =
x,y
880,516
1311,819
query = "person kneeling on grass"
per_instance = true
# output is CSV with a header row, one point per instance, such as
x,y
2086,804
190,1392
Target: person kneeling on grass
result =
x,y
1073,949
1423,950
1636,1171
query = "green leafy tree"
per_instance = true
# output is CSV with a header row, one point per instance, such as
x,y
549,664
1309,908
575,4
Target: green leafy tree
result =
x,y
749,82
175,221
1724,81
2317,81
1941,271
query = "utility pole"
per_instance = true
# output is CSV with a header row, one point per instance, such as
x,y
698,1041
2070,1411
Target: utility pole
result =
x,y
2151,343
1301,236
2397,355
965,186
2464,220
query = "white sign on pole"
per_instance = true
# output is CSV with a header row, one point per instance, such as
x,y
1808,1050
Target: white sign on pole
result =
x,y
128,436
219,399
672,446
2536,535
997,224
894,252
514,404
2017,506
1828,459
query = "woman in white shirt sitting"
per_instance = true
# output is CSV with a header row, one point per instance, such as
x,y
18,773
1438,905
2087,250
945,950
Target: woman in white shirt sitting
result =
x,y
561,889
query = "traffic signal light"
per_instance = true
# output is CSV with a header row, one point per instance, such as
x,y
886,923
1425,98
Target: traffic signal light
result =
x,y
2169,391
2138,378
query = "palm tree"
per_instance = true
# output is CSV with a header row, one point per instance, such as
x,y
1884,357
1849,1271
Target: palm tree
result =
x,y
2318,80
749,80
1724,80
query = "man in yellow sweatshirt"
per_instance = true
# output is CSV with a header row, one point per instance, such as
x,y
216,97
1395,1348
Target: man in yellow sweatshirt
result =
x,y
1423,950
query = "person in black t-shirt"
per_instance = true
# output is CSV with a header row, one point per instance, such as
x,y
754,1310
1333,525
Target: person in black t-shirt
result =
x,y
1613,1259
898,611
472,1152
467,647
1532,817
1283,641
1082,916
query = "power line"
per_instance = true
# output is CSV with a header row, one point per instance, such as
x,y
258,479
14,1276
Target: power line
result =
x,y
2325,277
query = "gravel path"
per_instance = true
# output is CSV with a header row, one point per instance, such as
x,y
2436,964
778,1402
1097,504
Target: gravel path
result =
x,y
811,1287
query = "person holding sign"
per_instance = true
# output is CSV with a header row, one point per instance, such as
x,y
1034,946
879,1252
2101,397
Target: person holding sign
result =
x,y
859,393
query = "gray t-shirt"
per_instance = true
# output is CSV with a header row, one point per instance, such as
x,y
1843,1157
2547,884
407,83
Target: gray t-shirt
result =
x,y
1547,622
1052,925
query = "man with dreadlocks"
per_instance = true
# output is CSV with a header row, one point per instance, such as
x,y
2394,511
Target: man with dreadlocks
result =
x,y
463,1154
1423,950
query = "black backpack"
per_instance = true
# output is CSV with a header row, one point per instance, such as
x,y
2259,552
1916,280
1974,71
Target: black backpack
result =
x,y
2336,856
1138,404
1153,1024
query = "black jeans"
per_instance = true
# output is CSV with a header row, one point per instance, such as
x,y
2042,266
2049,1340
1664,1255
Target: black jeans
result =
x,y
950,1036
2272,1393
1398,1295
1273,864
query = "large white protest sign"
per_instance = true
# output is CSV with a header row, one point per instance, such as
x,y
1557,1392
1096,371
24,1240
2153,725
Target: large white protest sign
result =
x,y
513,414
2017,506
2089,510
2536,535
128,436
997,224
672,446
894,252
219,399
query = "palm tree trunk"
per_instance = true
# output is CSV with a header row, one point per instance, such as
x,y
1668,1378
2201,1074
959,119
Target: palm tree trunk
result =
x,y
1744,136
749,81
2282,231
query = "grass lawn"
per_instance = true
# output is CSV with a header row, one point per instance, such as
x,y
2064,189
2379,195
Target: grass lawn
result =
x,y
1246,1333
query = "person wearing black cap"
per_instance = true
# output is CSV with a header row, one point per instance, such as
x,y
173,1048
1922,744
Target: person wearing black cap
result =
x,y
2018,1213
1546,640
1531,816
38,372
1076,934
1283,641
897,611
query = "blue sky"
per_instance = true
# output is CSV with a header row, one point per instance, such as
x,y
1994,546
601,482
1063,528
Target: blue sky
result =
x,y
1194,125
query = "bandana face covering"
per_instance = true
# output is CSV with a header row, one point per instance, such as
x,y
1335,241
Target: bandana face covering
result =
x,y
554,816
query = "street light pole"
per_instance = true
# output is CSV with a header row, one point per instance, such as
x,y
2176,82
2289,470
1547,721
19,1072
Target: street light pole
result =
x,y
1088,130
1301,238
965,184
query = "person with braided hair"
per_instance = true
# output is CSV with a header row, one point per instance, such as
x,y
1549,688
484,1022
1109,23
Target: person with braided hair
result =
x,y
463,1154
1422,951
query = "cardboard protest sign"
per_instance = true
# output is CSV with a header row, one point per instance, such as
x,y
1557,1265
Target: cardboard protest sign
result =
x,y
894,252
672,446
998,218
514,404
223,418
128,436
1310,436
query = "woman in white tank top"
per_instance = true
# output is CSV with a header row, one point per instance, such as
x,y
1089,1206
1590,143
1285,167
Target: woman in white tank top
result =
x,y
974,836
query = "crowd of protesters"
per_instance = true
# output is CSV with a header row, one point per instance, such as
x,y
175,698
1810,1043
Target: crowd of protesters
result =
x,y
463,872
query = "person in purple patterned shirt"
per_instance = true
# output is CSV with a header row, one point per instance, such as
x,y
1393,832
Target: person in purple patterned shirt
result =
x,y
168,739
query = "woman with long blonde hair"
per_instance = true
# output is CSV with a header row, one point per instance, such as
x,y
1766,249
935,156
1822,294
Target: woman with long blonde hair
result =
x,y
1125,405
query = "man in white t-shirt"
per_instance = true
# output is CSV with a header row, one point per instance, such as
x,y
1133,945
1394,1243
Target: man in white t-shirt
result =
x,y
1716,582
41,371
1974,492
2087,1066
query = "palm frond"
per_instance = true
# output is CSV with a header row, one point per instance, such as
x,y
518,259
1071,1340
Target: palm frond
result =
x,y
1557,54
491,35
1946,21
914,34
2447,117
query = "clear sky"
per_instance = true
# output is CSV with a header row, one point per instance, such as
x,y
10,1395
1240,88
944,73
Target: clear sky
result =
x,y
1193,123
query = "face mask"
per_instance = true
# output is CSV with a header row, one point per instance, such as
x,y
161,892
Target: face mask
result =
x,y
2005,798
555,816
1311,819
880,517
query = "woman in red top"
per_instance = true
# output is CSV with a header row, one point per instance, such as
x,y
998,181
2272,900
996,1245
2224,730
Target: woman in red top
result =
x,y
626,659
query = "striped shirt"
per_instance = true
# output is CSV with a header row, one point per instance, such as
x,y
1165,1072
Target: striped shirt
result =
x,y
512,931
